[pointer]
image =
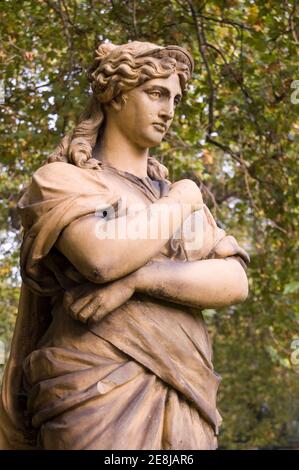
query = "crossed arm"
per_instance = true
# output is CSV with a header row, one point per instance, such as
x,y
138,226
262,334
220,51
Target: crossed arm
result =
x,y
123,267
212,283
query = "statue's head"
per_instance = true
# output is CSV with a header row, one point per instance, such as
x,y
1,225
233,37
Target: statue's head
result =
x,y
125,81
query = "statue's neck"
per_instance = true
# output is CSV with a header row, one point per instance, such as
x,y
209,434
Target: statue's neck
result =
x,y
118,151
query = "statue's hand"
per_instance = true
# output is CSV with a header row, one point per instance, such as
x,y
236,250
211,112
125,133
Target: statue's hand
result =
x,y
228,247
91,302
186,192
225,247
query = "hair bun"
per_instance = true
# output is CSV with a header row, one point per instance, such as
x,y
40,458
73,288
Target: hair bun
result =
x,y
103,51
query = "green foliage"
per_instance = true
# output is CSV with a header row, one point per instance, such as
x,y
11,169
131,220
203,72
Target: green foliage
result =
x,y
236,134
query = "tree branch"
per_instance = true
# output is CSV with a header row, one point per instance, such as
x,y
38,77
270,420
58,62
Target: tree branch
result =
x,y
199,28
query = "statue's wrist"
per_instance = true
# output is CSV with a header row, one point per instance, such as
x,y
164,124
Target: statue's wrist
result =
x,y
139,277
132,280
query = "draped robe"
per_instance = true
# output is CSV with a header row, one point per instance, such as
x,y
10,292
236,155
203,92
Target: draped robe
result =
x,y
142,377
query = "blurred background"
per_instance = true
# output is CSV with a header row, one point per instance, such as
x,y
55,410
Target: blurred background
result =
x,y
236,134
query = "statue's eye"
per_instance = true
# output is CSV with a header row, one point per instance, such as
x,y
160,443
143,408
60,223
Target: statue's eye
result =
x,y
155,94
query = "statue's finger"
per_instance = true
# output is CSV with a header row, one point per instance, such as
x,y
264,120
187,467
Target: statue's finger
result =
x,y
88,310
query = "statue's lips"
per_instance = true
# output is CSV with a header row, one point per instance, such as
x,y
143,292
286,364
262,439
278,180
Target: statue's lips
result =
x,y
159,127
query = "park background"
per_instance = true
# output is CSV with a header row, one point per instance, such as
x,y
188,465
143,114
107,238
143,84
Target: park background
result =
x,y
236,134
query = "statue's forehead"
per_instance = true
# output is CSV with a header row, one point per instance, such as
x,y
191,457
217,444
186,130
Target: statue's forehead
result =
x,y
172,83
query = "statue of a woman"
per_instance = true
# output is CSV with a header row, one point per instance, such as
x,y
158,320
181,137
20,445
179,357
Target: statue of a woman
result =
x,y
110,349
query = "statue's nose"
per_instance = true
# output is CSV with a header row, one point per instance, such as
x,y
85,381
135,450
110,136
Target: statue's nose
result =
x,y
167,112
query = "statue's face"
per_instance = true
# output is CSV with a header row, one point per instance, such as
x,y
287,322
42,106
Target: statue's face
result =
x,y
147,114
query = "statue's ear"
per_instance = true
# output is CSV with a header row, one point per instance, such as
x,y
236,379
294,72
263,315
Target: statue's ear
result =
x,y
118,102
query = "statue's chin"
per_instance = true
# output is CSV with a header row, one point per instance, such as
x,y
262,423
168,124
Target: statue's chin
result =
x,y
154,141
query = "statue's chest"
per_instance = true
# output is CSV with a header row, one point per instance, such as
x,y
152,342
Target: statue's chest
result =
x,y
141,191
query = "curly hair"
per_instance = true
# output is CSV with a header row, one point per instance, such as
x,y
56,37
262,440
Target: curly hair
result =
x,y
116,70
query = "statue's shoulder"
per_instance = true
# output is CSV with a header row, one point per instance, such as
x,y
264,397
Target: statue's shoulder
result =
x,y
55,169
65,175
59,179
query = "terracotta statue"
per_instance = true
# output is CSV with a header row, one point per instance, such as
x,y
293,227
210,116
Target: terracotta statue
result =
x,y
110,349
